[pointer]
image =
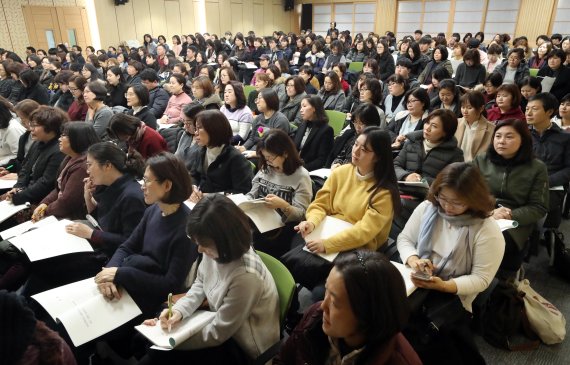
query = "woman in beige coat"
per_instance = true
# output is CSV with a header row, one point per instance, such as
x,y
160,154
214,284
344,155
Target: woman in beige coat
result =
x,y
474,132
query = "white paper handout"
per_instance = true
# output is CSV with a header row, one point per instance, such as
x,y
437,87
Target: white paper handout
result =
x,y
179,333
328,228
322,173
7,209
264,218
7,183
505,224
547,83
26,227
50,240
84,312
406,273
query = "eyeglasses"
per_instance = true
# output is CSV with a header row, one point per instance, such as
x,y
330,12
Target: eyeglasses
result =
x,y
411,101
363,89
444,201
147,181
34,125
269,158
73,89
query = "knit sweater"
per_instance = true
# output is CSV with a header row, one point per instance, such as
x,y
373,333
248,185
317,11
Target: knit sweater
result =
x,y
240,121
155,259
243,295
346,196
487,251
295,189
100,121
175,105
469,76
9,138
277,120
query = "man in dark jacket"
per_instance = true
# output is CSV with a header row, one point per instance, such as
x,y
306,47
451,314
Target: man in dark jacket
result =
x,y
552,146
158,96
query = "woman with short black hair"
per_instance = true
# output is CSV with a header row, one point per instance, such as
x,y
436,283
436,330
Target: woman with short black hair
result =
x,y
138,98
237,112
32,89
331,92
295,89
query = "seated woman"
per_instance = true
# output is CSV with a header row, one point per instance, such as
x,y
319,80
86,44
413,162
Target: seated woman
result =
x,y
98,114
331,93
203,92
563,118
269,118
78,109
62,98
217,166
439,58
286,186
367,334
529,86
295,88
492,82
508,104
138,98
452,238
226,74
447,98
559,72
23,110
314,137
39,170
237,112
363,193
66,200
474,132
262,81
179,97
32,89
471,72
394,101
186,144
385,60
117,87
417,103
137,136
10,132
519,183
340,70
371,92
364,116
157,256
242,293
278,83
427,152
514,68
134,68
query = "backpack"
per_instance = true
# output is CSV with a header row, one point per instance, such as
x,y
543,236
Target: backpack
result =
x,y
505,317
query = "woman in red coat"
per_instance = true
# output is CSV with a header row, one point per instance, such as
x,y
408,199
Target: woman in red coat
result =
x,y
138,136
507,106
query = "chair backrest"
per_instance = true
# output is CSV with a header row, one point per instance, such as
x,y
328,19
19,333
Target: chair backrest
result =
x,y
283,281
336,120
533,72
247,89
356,66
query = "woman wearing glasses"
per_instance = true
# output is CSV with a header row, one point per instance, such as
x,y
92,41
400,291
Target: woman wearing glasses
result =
x,y
78,109
454,242
417,102
138,98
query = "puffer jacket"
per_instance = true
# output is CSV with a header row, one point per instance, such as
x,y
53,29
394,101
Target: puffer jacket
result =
x,y
292,109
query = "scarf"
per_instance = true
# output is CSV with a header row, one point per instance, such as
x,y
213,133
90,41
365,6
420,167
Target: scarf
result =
x,y
460,259
135,140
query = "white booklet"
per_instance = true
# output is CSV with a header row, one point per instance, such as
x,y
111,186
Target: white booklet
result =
x,y
505,224
7,183
264,218
50,240
406,273
179,333
7,209
84,312
328,228
322,173
26,227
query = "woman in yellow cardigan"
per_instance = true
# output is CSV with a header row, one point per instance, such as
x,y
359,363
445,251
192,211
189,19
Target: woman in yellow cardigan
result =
x,y
363,193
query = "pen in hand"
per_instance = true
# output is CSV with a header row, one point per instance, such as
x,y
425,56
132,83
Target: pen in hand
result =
x,y
169,311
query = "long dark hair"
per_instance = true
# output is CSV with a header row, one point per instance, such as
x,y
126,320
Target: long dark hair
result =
x,y
317,103
384,173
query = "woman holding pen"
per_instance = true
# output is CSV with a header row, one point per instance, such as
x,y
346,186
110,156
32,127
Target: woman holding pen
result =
x,y
242,293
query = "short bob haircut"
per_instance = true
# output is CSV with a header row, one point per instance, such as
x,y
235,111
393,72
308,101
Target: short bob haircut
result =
x,y
278,143
515,93
298,82
123,124
421,95
317,103
141,92
166,166
448,121
205,83
109,152
532,82
26,107
81,136
50,118
377,296
398,79
241,102
98,88
525,153
475,99
29,78
495,78
444,53
217,222
472,55
335,81
549,102
375,88
265,78
270,97
191,110
217,126
468,183
367,114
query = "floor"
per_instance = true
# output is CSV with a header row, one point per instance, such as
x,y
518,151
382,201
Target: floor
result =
x,y
551,287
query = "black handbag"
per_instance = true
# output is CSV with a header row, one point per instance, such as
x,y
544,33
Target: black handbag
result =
x,y
308,269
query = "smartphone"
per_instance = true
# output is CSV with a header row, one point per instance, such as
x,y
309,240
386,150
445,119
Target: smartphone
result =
x,y
421,275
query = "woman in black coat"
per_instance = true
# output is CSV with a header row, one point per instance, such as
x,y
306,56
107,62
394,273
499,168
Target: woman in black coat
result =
x,y
137,99
116,87
314,138
32,88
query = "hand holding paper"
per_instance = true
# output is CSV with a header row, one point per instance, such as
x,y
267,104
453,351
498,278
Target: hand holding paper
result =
x,y
305,228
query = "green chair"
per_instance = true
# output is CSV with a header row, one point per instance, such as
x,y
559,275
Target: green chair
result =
x,y
533,72
247,89
283,281
336,120
355,67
